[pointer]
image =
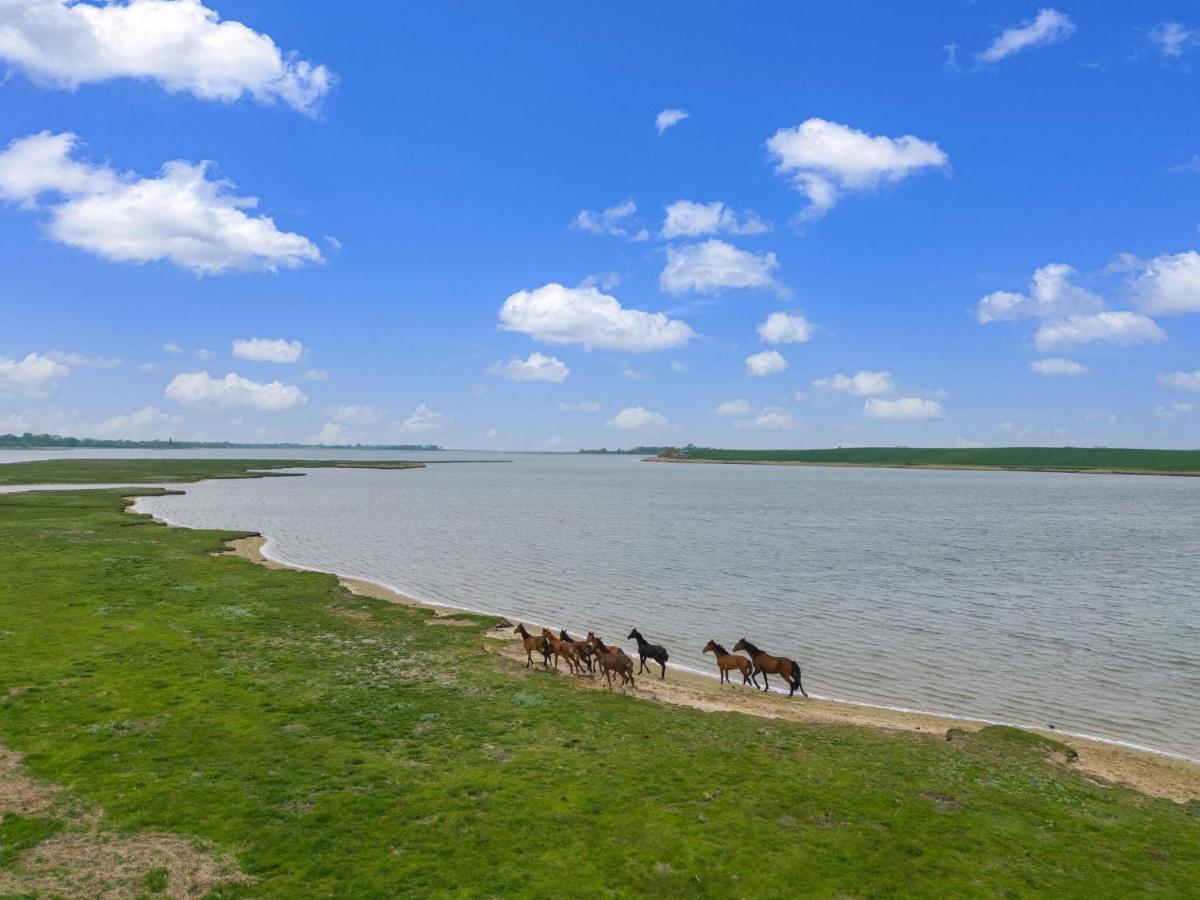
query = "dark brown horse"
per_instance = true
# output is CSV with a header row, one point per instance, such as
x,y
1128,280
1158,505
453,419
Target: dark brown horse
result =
x,y
765,663
727,661
533,642
564,650
612,659
586,653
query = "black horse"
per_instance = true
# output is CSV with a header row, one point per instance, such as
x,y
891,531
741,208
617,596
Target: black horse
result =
x,y
656,652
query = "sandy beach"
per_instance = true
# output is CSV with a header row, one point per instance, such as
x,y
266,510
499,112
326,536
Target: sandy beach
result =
x,y
1151,773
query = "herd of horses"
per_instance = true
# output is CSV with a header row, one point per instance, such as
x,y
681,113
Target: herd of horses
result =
x,y
585,656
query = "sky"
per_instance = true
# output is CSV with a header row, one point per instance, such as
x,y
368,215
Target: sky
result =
x,y
546,226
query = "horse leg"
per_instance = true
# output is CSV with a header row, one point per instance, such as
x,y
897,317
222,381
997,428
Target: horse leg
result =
x,y
529,658
641,663
663,676
766,684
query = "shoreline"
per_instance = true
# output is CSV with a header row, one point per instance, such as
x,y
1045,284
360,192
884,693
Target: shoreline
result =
x,y
928,467
1152,772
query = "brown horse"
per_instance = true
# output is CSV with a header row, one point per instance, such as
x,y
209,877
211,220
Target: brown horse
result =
x,y
727,661
533,642
785,668
565,650
612,659
586,652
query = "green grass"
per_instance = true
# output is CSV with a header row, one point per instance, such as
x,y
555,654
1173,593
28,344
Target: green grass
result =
x,y
19,833
338,745
140,471
1068,459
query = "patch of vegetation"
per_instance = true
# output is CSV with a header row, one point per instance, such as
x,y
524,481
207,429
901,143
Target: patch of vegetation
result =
x,y
30,441
168,471
19,833
155,881
1063,459
356,756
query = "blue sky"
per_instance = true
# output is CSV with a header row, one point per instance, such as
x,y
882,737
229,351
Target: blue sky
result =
x,y
963,223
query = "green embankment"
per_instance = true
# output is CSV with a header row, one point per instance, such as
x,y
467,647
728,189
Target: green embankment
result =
x,y
343,746
163,471
1066,459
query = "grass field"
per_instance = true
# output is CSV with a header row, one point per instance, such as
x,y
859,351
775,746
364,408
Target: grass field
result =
x,y
1066,459
335,745
141,471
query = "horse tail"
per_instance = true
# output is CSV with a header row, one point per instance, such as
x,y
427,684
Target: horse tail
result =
x,y
796,672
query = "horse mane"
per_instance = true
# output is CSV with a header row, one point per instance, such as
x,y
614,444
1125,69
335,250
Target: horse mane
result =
x,y
750,648
721,651
563,636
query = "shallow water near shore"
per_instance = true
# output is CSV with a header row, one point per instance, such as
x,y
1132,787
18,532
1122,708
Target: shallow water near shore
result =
x,y
1035,599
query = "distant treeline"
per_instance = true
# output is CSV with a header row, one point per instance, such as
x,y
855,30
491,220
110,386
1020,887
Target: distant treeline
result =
x,y
1043,458
28,441
640,451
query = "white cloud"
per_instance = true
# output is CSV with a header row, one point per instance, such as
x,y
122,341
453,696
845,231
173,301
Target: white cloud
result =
x,y
555,314
1173,410
712,265
903,408
171,347
785,328
633,418
181,215
361,413
203,354
233,391
1105,327
686,218
588,406
860,384
732,408
1051,295
1184,381
538,367
678,366
81,361
1058,366
825,159
769,362
275,350
1169,284
331,433
668,118
148,367
771,418
184,46
423,419
1172,38
316,375
616,220
34,376
137,424
1048,27
492,434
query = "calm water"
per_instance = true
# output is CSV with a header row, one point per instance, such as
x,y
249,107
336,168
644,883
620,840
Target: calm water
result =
x,y
1034,599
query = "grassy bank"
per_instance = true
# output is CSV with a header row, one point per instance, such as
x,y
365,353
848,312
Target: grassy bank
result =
x,y
1051,459
338,745
162,471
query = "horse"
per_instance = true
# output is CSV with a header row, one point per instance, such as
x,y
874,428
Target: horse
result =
x,y
767,664
612,659
533,642
656,652
727,661
585,650
564,649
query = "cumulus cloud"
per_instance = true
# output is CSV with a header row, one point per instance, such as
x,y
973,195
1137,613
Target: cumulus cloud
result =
x,y
1105,328
34,376
171,347
182,45
686,218
1058,366
137,424
861,384
668,118
635,418
1184,381
1051,295
316,375
538,367
617,221
785,328
83,361
181,215
769,362
331,433
233,391
903,408
1048,27
555,314
360,413
1169,284
275,350
587,406
713,265
825,160
770,418
732,408
423,419
1172,39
